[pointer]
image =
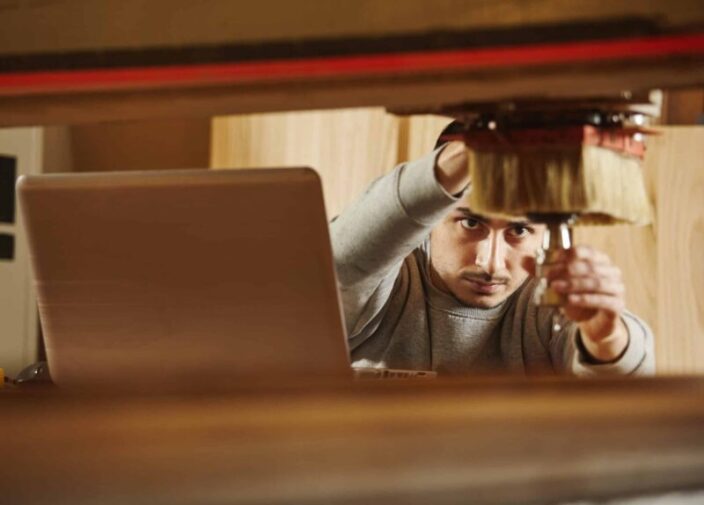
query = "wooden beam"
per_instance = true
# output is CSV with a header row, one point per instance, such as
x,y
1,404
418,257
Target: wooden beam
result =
x,y
404,442
51,26
136,60
427,90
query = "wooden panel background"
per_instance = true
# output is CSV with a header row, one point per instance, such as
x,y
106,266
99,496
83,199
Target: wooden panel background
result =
x,y
662,263
679,156
155,144
348,147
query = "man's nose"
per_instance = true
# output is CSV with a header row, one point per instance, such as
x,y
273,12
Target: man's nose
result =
x,y
491,253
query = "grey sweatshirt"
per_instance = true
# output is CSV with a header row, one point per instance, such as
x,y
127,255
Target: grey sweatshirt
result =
x,y
396,318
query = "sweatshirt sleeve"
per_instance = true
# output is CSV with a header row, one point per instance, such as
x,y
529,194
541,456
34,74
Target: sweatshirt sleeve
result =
x,y
638,358
372,236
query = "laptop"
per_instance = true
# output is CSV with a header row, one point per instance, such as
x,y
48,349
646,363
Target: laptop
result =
x,y
172,277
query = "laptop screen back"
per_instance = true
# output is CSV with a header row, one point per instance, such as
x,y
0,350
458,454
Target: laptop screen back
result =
x,y
183,276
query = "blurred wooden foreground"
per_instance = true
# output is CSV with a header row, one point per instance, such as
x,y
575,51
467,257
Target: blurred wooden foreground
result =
x,y
81,61
481,442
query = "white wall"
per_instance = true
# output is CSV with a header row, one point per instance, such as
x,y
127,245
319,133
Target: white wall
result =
x,y
18,313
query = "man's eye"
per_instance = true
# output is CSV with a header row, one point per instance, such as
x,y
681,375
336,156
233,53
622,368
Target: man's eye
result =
x,y
519,231
469,223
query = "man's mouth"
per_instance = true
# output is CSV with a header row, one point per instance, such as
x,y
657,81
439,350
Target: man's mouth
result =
x,y
485,287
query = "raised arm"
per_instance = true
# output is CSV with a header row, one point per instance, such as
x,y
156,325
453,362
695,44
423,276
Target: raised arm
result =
x,y
372,236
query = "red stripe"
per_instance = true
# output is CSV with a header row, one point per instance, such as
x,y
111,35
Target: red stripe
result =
x,y
349,66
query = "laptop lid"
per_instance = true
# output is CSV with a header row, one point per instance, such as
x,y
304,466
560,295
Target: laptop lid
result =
x,y
179,276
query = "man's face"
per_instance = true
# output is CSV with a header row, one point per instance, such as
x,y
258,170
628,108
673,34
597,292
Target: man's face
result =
x,y
480,260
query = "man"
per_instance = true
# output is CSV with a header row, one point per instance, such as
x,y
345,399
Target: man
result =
x,y
428,285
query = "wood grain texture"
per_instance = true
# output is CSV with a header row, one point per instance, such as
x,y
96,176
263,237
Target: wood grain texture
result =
x,y
396,442
348,148
661,263
53,36
425,91
679,153
423,133
61,25
141,145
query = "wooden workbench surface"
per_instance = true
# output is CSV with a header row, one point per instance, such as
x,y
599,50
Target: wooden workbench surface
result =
x,y
444,441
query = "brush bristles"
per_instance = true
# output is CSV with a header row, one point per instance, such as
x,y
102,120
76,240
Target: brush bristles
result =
x,y
599,184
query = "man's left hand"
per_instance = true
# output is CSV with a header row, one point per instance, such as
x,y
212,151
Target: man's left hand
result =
x,y
594,298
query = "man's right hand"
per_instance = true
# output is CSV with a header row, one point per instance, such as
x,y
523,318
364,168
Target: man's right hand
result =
x,y
451,167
